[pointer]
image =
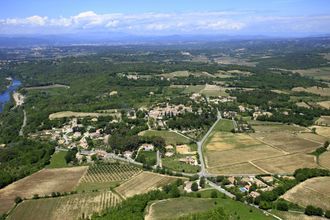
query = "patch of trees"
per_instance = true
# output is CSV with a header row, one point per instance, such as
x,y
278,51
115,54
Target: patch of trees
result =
x,y
23,158
70,156
191,120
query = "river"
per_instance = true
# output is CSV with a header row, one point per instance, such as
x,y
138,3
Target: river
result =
x,y
5,96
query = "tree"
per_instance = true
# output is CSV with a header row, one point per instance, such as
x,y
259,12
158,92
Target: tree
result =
x,y
326,144
194,187
202,182
282,205
312,210
265,205
18,200
214,194
327,214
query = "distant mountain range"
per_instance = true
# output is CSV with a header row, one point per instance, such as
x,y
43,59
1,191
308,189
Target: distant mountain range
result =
x,y
116,39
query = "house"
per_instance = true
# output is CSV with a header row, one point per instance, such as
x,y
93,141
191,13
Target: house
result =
x,y
169,147
128,154
83,143
147,147
254,194
189,160
169,154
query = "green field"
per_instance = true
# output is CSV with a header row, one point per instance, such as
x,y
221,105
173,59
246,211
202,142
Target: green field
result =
x,y
175,208
147,157
194,89
170,137
58,160
224,125
173,164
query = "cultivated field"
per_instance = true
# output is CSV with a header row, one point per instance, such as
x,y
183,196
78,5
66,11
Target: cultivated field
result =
x,y
324,160
213,90
315,90
42,183
323,120
296,216
142,183
324,104
66,207
170,137
286,164
320,137
302,105
104,176
69,114
286,142
319,73
313,191
274,127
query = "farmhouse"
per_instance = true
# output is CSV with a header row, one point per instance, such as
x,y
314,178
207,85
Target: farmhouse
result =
x,y
189,160
147,147
128,154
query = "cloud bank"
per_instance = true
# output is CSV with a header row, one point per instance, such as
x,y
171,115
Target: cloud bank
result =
x,y
221,22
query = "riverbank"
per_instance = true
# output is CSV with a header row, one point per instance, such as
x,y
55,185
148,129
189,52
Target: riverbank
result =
x,y
6,95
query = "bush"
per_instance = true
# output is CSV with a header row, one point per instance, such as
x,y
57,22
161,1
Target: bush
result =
x,y
327,214
312,210
282,206
194,187
202,182
35,196
265,205
18,200
214,194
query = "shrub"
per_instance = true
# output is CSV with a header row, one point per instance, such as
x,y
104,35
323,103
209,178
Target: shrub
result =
x,y
282,205
18,200
194,187
214,194
327,214
312,210
265,205
35,196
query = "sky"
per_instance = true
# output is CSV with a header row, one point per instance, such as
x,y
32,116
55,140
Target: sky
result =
x,y
165,17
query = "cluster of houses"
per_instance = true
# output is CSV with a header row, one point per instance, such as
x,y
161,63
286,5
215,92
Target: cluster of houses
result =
x,y
160,111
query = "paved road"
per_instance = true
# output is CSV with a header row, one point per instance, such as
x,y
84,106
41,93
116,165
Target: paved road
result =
x,y
220,189
203,171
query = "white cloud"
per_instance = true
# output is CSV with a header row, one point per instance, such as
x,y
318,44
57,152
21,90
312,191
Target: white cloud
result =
x,y
169,23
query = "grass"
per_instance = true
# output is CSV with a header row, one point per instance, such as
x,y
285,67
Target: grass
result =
x,y
170,137
100,186
58,160
173,164
194,89
175,208
149,156
224,125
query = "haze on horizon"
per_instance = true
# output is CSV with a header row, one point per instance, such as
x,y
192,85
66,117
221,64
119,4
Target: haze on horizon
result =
x,y
160,18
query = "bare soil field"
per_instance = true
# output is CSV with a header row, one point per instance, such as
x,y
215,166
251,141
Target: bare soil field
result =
x,y
214,90
67,207
319,73
324,104
244,168
69,114
184,149
287,142
259,127
315,90
315,191
297,216
42,183
320,137
324,160
302,105
323,120
142,183
286,164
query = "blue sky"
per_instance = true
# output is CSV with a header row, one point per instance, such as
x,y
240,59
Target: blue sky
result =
x,y
158,17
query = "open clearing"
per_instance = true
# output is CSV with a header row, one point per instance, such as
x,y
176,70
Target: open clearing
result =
x,y
176,208
69,114
324,104
170,137
42,183
315,90
286,164
323,120
58,160
184,149
66,207
142,183
287,142
224,125
313,191
324,160
214,90
318,73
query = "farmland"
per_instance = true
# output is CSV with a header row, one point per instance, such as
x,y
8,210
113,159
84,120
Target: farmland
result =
x,y
70,114
104,176
58,160
213,90
324,104
42,183
66,207
138,185
324,160
224,125
175,208
315,90
319,73
273,148
314,192
323,120
170,137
